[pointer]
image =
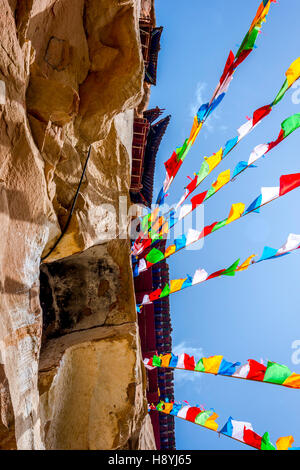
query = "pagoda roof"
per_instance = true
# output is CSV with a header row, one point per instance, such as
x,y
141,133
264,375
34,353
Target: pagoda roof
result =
x,y
151,70
155,136
152,114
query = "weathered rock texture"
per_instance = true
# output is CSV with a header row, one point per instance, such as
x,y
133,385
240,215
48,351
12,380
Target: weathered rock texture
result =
x,y
97,373
73,73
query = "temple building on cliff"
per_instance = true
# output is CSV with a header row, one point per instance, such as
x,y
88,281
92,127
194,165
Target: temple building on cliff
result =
x,y
154,320
155,332
147,136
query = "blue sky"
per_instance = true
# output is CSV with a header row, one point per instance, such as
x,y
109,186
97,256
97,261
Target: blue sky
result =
x,y
256,314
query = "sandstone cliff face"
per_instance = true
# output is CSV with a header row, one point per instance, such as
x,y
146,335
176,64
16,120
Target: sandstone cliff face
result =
x,y
73,73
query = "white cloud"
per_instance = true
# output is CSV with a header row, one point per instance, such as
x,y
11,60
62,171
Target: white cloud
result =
x,y
181,376
201,87
184,348
200,98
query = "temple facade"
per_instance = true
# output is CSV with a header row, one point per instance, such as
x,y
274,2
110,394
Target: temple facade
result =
x,y
154,320
147,136
155,332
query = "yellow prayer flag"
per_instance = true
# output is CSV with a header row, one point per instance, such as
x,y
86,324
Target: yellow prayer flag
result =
x,y
168,407
194,129
284,443
165,228
293,73
265,12
257,16
193,136
222,179
292,381
176,285
260,14
212,364
165,360
159,222
170,250
214,160
236,212
245,264
153,215
211,423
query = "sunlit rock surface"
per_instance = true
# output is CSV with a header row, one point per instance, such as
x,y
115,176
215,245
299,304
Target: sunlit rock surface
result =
x,y
71,375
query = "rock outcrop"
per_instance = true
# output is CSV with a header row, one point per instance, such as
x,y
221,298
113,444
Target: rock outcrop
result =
x,y
71,375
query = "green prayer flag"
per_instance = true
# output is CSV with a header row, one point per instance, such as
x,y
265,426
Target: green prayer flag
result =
x,y
154,256
250,40
276,373
242,45
203,172
281,93
201,418
166,291
210,192
180,150
266,443
219,225
199,366
290,124
186,151
155,235
156,361
160,406
145,224
231,270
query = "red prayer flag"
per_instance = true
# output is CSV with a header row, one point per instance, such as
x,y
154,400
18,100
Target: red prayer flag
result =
x,y
260,113
192,413
207,230
277,141
145,243
197,200
189,362
288,183
155,295
172,165
228,67
192,185
216,274
252,439
257,370
243,55
150,363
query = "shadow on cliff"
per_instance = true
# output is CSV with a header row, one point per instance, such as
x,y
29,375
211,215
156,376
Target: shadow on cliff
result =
x,y
13,287
17,207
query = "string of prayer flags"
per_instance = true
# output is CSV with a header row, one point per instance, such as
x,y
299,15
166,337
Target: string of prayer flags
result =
x,y
210,163
287,127
200,275
241,431
273,373
287,183
175,161
164,225
292,74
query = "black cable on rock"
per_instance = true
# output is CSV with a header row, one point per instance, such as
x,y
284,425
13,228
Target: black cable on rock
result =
x,y
72,207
